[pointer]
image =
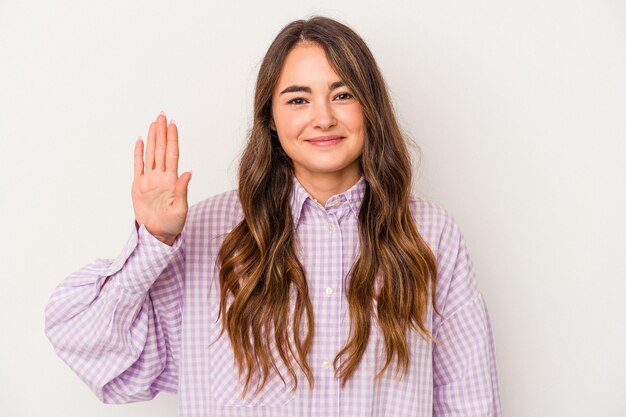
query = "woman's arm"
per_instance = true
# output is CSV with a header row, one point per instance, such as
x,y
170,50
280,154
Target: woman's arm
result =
x,y
123,338
464,361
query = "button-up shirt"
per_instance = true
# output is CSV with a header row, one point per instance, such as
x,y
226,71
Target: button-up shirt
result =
x,y
154,325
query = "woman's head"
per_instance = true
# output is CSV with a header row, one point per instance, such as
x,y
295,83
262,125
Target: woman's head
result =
x,y
369,123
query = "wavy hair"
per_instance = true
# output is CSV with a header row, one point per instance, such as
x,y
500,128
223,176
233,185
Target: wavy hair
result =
x,y
259,266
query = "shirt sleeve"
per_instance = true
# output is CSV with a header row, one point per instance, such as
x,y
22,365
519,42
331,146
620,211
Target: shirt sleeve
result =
x,y
122,339
465,378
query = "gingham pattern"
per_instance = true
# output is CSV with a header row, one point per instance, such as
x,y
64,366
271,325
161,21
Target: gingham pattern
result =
x,y
151,327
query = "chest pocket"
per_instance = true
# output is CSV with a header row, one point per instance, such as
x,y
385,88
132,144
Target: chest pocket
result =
x,y
227,388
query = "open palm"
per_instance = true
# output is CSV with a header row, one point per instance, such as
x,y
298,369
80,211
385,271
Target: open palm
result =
x,y
159,194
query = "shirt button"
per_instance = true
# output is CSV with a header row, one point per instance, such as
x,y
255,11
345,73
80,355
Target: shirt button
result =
x,y
329,291
330,227
337,203
325,363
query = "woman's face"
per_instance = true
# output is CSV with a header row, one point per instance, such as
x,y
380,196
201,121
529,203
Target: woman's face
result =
x,y
319,123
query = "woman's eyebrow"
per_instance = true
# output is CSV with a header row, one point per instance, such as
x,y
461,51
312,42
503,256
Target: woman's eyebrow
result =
x,y
301,88
296,89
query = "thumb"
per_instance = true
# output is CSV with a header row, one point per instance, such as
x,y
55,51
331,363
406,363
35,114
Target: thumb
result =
x,y
180,190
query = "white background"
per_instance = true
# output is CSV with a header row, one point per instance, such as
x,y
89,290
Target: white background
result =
x,y
519,109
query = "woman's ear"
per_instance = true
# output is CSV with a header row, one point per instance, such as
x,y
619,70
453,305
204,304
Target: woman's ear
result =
x,y
272,125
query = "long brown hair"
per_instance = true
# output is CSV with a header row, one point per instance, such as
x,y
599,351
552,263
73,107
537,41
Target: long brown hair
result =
x,y
259,267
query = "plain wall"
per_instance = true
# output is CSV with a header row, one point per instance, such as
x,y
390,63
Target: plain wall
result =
x,y
519,109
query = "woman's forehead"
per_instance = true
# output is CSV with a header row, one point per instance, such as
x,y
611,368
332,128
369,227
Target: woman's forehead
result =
x,y
306,64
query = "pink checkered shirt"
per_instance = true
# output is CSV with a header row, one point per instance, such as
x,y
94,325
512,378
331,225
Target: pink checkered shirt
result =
x,y
150,328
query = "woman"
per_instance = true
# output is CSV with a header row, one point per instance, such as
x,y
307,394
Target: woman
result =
x,y
319,287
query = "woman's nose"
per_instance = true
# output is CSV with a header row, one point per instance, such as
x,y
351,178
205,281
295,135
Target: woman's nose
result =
x,y
323,116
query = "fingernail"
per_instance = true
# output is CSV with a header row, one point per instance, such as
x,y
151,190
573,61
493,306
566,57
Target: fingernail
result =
x,y
172,121
162,112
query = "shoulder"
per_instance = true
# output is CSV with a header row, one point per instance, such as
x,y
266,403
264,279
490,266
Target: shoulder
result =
x,y
436,225
456,281
214,216
221,202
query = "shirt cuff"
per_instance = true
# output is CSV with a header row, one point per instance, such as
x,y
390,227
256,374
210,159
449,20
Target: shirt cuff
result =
x,y
142,260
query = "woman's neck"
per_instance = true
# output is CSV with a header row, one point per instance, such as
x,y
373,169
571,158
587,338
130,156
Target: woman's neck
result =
x,y
322,186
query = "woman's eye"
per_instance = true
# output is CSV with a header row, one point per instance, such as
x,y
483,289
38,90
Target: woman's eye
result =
x,y
344,96
296,101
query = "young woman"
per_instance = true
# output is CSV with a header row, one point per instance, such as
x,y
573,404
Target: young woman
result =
x,y
320,287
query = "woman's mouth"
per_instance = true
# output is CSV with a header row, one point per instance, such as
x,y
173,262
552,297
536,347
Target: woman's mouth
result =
x,y
325,140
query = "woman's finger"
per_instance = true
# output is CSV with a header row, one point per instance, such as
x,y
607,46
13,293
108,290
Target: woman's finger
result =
x,y
180,190
171,153
161,143
150,147
138,157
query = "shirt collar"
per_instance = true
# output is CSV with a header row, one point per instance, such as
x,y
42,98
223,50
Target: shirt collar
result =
x,y
352,196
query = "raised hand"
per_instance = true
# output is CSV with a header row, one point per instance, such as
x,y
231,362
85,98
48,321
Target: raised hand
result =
x,y
159,194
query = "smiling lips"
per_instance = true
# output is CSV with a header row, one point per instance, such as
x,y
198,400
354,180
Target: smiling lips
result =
x,y
325,140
